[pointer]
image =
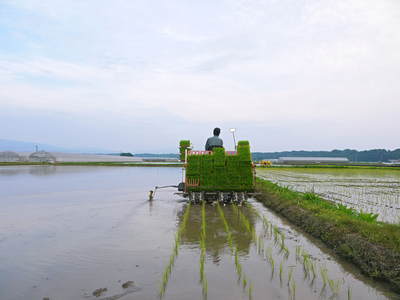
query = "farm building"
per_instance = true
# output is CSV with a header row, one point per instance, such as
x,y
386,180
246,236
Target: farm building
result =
x,y
312,160
42,156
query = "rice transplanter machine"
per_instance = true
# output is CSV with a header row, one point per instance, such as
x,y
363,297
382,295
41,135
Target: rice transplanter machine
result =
x,y
218,175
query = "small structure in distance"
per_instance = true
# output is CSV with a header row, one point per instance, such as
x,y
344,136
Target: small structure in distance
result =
x,y
42,156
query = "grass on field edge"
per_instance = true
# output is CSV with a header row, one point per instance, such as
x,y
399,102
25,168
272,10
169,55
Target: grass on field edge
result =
x,y
112,164
371,245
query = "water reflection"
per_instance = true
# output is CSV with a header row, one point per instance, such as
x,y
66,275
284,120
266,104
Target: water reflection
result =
x,y
32,170
216,235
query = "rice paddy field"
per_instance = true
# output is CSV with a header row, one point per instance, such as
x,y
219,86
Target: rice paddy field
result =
x,y
89,232
374,191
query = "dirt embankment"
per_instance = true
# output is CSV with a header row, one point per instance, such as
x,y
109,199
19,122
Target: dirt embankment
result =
x,y
344,235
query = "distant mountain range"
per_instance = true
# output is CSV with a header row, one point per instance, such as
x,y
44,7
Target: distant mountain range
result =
x,y
22,146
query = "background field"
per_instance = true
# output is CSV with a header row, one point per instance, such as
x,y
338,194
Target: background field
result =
x,y
368,190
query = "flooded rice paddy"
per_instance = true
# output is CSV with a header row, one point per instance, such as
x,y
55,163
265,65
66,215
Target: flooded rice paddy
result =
x,y
90,233
374,191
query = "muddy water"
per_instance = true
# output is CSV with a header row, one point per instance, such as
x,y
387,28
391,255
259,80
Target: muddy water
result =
x,y
66,232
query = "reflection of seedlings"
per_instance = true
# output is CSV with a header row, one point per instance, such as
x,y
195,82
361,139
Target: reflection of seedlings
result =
x,y
280,271
238,265
335,286
265,222
174,254
312,265
290,275
250,291
349,293
245,221
293,290
298,253
203,278
226,226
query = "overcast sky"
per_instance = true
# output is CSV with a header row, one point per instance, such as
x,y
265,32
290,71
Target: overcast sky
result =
x,y
140,75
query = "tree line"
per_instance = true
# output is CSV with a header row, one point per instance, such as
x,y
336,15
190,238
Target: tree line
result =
x,y
373,155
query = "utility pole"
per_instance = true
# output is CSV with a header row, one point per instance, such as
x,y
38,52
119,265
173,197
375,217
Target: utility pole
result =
x,y
234,138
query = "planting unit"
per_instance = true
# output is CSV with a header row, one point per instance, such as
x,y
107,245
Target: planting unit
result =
x,y
217,175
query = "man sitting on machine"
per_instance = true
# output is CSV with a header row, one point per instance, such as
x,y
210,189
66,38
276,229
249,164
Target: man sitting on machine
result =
x,y
214,141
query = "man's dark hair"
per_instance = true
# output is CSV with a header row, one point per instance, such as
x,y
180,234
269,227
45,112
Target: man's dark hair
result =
x,y
217,131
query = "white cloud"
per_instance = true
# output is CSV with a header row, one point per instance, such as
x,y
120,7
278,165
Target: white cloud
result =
x,y
266,62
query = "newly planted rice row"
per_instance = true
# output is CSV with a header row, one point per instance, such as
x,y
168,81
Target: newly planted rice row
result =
x,y
309,266
168,269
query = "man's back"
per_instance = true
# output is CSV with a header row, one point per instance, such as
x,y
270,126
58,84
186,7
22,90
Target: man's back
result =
x,y
213,142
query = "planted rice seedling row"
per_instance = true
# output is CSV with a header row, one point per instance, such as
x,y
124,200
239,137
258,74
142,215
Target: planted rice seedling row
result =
x,y
168,269
309,266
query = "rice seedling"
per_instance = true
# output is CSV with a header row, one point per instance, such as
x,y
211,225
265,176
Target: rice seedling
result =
x,y
276,233
298,252
266,223
335,286
244,282
324,275
270,258
349,293
272,267
260,245
283,248
312,265
281,272
306,263
290,274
